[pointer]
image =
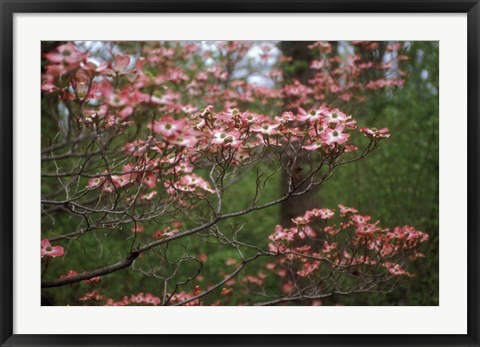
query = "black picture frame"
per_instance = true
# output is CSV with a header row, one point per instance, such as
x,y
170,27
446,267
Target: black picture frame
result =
x,y
10,7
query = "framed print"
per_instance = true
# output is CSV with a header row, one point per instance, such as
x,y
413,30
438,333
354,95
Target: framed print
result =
x,y
268,173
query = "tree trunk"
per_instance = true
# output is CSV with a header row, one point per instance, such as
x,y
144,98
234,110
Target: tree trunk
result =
x,y
298,69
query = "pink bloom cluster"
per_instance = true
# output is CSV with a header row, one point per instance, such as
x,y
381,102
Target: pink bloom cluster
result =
x,y
355,241
184,296
65,59
148,299
342,77
140,174
237,132
134,299
188,183
92,81
171,153
376,133
144,298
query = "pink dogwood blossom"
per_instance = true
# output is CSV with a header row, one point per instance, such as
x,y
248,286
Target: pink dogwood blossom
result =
x,y
49,251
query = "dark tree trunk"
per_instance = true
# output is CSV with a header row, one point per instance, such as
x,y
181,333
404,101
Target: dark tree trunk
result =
x,y
298,69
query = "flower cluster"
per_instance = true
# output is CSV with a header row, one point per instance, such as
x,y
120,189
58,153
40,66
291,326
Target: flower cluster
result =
x,y
144,298
65,59
345,77
233,137
356,242
132,174
134,299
